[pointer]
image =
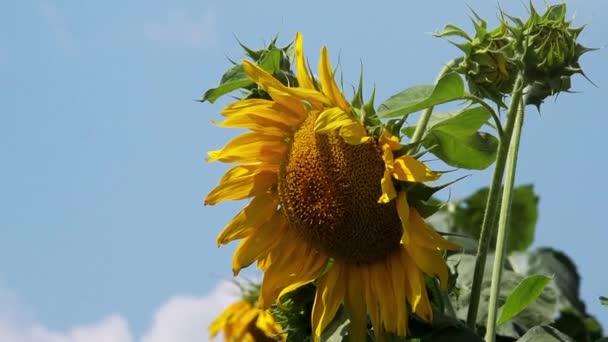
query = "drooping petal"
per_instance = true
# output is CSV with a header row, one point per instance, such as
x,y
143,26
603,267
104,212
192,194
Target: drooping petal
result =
x,y
388,187
282,274
329,296
355,302
429,261
426,236
259,243
328,84
409,169
249,218
398,281
403,210
304,79
239,186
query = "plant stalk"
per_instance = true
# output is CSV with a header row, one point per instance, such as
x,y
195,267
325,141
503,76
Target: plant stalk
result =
x,y
489,216
503,222
426,115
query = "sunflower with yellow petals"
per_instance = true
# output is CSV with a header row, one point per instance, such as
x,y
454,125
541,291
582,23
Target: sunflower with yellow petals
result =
x,y
244,321
328,205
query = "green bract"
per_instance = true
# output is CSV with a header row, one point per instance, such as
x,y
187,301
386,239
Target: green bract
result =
x,y
544,48
550,51
489,59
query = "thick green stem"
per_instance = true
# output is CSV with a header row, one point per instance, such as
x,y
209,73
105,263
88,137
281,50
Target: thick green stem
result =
x,y
503,222
426,115
492,202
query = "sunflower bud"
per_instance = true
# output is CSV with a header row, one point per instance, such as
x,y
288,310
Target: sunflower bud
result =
x,y
488,62
551,52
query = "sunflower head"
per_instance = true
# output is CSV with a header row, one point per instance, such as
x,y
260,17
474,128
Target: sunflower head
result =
x,y
488,63
330,202
551,51
245,320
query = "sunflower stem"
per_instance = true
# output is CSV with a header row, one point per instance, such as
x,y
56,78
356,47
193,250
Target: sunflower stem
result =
x,y
503,222
489,216
426,115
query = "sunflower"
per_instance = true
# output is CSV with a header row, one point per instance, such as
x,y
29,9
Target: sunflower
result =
x,y
328,204
246,321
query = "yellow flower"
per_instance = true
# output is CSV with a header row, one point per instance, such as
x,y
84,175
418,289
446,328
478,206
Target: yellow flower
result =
x,y
246,322
323,188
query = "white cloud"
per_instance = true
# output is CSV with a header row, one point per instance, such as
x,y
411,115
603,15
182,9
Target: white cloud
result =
x,y
187,318
178,28
181,318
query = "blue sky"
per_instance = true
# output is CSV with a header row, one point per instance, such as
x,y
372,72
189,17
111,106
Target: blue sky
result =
x,y
102,228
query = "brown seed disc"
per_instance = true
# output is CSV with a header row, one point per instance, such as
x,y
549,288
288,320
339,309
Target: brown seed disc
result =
x,y
329,191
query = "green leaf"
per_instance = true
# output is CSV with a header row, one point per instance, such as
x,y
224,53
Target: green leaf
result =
x,y
236,78
450,87
454,138
545,333
604,300
522,296
554,263
468,215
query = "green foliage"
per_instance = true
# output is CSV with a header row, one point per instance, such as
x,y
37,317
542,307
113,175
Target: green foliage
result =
x,y
448,88
454,138
554,263
274,60
580,328
604,300
541,311
466,216
545,333
522,296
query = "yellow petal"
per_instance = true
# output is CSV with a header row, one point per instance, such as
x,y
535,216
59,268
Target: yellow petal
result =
x,y
398,281
258,110
403,210
253,183
388,188
304,79
332,119
355,303
426,236
354,134
250,147
329,296
409,169
414,282
328,84
429,261
392,142
249,218
241,328
282,274
289,97
259,243
371,300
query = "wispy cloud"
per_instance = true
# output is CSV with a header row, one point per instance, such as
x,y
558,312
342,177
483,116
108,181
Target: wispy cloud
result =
x,y
57,25
178,28
181,318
